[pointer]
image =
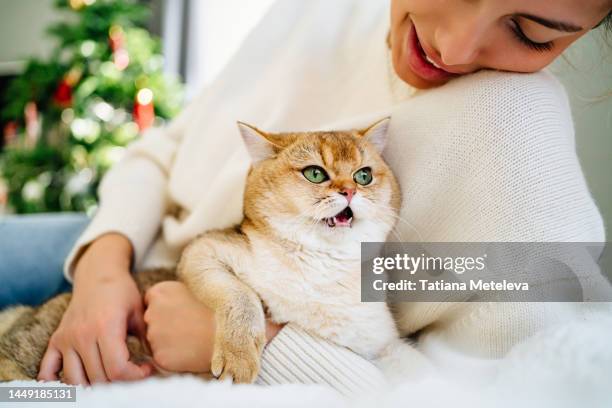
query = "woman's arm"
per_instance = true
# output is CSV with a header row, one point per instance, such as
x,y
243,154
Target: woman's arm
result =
x,y
89,344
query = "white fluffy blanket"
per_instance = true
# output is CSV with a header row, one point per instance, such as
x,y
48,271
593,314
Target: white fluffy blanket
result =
x,y
567,366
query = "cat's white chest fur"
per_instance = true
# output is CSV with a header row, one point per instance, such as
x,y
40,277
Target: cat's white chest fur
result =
x,y
319,291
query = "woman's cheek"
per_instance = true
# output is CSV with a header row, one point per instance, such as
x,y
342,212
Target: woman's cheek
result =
x,y
521,60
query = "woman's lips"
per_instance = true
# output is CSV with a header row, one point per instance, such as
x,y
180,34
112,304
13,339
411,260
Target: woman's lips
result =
x,y
421,64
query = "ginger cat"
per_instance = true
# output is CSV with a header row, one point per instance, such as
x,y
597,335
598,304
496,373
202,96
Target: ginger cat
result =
x,y
311,198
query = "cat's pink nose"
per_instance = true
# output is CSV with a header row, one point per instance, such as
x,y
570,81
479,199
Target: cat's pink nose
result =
x,y
348,193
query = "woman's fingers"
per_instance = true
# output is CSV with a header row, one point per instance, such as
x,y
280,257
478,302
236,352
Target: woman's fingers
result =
x,y
50,365
115,357
93,363
74,372
92,360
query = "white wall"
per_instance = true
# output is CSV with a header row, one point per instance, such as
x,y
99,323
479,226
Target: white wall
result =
x,y
22,31
218,27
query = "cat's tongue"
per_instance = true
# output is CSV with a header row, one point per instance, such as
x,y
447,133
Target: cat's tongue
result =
x,y
342,219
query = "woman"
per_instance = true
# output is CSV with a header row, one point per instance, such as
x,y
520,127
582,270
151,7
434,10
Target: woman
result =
x,y
481,156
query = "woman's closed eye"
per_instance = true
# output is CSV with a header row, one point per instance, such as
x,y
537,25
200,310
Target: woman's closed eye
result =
x,y
539,33
520,35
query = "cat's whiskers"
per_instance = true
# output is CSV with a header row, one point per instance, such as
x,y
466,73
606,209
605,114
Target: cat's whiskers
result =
x,y
319,209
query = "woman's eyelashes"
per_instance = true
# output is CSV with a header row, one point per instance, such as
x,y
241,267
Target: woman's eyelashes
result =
x,y
523,39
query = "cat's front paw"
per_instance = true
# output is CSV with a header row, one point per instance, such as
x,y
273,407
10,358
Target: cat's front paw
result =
x,y
237,352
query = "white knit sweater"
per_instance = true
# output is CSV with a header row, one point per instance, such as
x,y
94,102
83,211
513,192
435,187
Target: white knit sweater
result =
x,y
487,157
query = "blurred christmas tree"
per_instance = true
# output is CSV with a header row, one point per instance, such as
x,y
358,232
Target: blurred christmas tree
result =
x,y
69,118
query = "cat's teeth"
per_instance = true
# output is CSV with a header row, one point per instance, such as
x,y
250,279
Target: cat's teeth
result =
x,y
332,221
432,62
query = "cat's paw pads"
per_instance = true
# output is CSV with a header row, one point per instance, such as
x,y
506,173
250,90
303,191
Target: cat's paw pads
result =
x,y
237,357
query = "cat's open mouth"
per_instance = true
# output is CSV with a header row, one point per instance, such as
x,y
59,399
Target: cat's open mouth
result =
x,y
343,219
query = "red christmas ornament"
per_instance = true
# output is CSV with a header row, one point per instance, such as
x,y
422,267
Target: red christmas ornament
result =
x,y
144,110
116,38
10,132
63,94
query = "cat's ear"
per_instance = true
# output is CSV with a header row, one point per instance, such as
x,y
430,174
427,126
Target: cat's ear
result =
x,y
257,142
376,134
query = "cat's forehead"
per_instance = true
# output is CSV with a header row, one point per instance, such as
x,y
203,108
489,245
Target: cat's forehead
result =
x,y
328,148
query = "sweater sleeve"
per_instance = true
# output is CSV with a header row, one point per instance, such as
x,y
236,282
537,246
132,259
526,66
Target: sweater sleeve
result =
x,y
295,356
133,193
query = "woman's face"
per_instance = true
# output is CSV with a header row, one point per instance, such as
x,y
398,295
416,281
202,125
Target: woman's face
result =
x,y
433,41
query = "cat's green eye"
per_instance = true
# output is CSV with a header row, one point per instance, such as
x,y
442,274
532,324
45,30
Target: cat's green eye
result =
x,y
363,176
315,174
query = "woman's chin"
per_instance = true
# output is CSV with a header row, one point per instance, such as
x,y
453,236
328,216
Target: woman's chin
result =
x,y
408,76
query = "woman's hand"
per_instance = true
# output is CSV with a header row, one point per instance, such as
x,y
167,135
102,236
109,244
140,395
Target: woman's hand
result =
x,y
180,329
90,342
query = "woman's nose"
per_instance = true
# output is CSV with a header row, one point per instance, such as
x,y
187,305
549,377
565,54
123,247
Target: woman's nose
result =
x,y
460,45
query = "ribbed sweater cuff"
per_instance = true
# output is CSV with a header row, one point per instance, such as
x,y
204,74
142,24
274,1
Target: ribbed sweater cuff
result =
x,y
295,356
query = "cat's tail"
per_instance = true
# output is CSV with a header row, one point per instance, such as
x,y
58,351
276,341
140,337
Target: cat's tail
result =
x,y
400,360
